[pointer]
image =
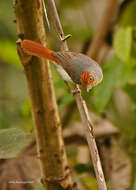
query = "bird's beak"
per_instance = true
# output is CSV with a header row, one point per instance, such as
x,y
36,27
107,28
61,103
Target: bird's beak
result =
x,y
88,88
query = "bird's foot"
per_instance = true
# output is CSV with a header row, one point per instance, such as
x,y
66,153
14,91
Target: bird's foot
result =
x,y
75,91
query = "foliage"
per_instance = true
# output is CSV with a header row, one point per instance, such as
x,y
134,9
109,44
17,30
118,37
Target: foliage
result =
x,y
102,93
120,70
8,53
12,141
90,184
7,29
122,43
127,18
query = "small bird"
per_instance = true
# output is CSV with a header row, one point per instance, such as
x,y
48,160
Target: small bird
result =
x,y
77,67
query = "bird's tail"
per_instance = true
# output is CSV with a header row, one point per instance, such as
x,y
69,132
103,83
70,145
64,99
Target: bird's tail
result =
x,y
36,49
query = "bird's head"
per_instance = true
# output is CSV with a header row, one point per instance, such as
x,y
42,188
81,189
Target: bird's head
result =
x,y
91,79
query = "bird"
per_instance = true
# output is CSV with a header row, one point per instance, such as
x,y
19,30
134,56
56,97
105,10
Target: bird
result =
x,y
73,66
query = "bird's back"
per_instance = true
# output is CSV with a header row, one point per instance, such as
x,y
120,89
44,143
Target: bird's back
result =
x,y
74,63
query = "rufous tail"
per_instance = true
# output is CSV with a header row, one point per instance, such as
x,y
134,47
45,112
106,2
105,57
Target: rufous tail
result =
x,y
36,49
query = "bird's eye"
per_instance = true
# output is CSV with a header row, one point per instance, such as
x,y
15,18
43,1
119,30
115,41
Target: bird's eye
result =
x,y
91,78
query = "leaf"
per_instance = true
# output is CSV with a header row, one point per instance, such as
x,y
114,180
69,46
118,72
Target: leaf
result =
x,y
90,182
81,168
7,27
129,71
12,141
131,91
127,18
8,53
122,43
132,79
26,108
103,92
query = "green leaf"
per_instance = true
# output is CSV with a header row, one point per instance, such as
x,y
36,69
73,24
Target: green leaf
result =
x,y
132,79
90,182
12,141
103,92
126,73
81,168
7,26
26,108
129,72
122,43
127,18
8,53
131,91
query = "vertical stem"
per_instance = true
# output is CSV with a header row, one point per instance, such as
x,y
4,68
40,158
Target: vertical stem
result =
x,y
51,153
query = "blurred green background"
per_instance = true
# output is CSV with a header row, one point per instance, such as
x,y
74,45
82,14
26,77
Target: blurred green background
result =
x,y
114,99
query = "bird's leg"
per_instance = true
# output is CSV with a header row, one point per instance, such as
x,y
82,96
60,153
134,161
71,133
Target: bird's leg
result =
x,y
75,90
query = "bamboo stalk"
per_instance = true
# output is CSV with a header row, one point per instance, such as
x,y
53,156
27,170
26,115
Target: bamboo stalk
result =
x,y
80,103
55,171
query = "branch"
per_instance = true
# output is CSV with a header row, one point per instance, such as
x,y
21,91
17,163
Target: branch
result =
x,y
80,103
103,28
50,147
74,133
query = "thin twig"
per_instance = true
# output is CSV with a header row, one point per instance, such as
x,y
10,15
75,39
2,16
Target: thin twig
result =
x,y
74,132
103,28
56,23
81,104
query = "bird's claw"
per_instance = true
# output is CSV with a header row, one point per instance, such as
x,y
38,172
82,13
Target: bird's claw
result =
x,y
75,91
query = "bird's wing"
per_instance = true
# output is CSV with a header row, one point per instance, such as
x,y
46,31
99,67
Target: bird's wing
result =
x,y
67,60
62,73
